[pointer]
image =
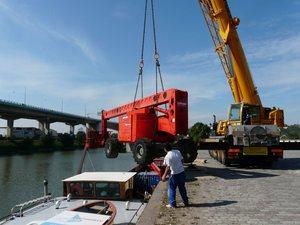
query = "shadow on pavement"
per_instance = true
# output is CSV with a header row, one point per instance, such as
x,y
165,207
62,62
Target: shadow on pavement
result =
x,y
212,204
124,223
287,164
225,173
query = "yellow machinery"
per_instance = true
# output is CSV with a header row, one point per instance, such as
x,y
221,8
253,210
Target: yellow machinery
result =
x,y
247,118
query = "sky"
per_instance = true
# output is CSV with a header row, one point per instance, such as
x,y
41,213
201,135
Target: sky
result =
x,y
82,56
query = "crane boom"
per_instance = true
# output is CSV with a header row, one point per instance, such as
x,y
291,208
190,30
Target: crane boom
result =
x,y
222,28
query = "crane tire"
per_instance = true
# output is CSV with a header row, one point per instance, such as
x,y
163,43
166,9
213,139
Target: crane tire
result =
x,y
224,159
143,151
112,148
188,149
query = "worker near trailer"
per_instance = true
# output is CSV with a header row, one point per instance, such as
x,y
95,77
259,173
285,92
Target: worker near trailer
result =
x,y
173,160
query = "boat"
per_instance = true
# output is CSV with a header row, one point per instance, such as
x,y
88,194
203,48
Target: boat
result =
x,y
100,198
101,207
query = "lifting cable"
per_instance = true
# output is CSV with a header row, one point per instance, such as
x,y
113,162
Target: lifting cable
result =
x,y
82,165
141,65
91,161
156,54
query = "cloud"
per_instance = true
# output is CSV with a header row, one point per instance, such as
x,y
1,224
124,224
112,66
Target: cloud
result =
x,y
121,11
200,60
91,52
271,49
275,62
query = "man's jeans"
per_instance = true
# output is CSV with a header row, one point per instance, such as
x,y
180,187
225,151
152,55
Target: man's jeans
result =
x,y
177,180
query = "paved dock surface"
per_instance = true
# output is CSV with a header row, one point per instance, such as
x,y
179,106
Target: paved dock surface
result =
x,y
232,195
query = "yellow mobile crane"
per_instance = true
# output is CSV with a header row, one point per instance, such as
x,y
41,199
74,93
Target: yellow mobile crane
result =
x,y
251,130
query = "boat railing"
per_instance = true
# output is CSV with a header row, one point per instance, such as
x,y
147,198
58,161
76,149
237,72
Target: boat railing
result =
x,y
18,210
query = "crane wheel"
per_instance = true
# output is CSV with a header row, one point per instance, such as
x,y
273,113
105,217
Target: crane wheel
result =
x,y
142,152
224,159
188,149
112,148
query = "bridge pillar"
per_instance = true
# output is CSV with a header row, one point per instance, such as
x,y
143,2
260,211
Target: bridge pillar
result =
x,y
41,126
10,127
72,128
44,127
87,127
47,127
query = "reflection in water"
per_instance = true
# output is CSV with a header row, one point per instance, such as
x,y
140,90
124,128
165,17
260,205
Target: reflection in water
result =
x,y
7,170
21,176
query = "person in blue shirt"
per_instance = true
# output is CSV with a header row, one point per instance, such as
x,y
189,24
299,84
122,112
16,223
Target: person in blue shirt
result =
x,y
174,162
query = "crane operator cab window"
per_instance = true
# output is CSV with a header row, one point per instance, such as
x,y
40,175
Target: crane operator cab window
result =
x,y
246,114
235,112
250,114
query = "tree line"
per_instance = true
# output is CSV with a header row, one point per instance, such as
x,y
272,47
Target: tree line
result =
x,y
201,131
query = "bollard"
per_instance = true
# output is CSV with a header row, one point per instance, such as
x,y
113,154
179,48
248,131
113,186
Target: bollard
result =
x,y
46,187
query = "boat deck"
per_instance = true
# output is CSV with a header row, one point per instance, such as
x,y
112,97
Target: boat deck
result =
x,y
47,210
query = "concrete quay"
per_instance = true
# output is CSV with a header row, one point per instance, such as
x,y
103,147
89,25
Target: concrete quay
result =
x,y
232,195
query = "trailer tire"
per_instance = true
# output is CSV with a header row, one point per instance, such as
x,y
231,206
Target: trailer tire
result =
x,y
224,159
143,152
188,149
112,148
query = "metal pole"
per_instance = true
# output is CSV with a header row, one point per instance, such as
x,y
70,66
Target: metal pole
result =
x,y
79,171
25,95
45,187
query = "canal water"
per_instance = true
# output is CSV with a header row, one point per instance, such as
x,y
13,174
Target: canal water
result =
x,y
21,176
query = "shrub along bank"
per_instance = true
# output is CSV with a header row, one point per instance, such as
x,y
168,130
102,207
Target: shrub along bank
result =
x,y
43,143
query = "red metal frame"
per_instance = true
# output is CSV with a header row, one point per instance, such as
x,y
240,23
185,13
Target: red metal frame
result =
x,y
145,114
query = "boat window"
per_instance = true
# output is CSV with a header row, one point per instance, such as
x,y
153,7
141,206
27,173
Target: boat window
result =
x,y
76,189
88,189
131,183
108,189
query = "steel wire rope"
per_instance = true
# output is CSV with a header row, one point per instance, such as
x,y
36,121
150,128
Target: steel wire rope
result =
x,y
156,54
91,161
141,65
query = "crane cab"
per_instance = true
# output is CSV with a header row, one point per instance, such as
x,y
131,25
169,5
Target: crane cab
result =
x,y
244,114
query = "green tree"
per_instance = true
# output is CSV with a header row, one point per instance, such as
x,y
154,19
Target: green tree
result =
x,y
67,140
291,132
199,131
79,139
47,141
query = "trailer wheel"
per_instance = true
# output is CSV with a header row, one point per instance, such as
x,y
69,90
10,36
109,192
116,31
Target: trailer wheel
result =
x,y
142,152
224,159
213,154
188,149
112,148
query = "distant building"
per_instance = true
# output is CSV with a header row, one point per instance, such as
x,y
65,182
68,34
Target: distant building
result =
x,y
26,132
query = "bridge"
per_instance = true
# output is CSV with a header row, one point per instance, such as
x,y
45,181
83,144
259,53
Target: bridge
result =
x,y
11,111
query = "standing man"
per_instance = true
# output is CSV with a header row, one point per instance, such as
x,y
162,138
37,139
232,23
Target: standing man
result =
x,y
173,160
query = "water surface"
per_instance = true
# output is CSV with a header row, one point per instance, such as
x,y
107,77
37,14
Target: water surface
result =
x,y
21,176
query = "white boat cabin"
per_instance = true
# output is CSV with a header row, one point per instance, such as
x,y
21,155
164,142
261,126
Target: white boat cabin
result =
x,y
100,185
